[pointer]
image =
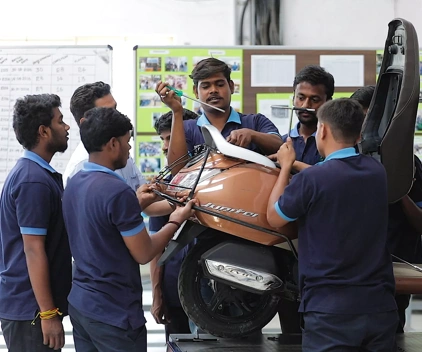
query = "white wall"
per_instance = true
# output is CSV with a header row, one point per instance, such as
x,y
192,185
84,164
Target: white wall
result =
x,y
121,24
345,23
126,23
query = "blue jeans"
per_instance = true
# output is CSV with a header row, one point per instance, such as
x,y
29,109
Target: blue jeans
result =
x,y
91,335
22,336
349,332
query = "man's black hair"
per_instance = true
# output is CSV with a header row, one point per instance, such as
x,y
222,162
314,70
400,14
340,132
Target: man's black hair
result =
x,y
345,117
163,124
85,96
102,124
364,96
31,112
209,67
315,75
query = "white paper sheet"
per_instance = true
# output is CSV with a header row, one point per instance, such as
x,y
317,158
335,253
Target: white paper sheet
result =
x,y
272,70
348,70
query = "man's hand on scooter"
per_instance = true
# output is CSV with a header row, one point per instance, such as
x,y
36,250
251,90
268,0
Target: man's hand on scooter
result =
x,y
183,213
241,137
146,196
286,155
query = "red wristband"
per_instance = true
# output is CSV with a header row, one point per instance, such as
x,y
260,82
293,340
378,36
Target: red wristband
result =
x,y
174,223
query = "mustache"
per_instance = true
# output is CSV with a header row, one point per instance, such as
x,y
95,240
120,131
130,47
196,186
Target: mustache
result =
x,y
213,97
310,114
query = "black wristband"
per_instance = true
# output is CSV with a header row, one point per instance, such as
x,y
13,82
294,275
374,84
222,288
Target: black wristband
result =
x,y
174,223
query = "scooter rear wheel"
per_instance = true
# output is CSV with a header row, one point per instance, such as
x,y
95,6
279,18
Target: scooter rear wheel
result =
x,y
218,308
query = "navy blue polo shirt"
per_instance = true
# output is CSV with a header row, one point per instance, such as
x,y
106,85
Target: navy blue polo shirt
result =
x,y
235,121
31,204
306,152
99,209
341,208
404,239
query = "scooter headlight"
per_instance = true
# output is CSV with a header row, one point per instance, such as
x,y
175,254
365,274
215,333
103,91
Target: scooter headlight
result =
x,y
244,276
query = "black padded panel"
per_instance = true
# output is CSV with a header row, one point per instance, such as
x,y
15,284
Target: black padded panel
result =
x,y
389,127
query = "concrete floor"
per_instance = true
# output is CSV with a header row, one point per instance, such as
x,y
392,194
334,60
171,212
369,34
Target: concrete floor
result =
x,y
156,339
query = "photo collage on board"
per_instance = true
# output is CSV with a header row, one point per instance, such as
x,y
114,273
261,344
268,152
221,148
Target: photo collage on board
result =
x,y
174,67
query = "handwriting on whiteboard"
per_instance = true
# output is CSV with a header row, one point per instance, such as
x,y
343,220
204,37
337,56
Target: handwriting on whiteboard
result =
x,y
39,70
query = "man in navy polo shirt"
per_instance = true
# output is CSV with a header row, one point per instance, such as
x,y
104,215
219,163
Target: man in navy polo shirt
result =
x,y
345,269
404,217
108,240
88,96
213,85
35,269
312,86
166,308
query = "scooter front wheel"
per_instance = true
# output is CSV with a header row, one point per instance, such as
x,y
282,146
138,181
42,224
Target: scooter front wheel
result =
x,y
218,308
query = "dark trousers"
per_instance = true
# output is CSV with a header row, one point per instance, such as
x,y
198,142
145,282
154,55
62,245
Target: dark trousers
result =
x,y
290,319
94,336
349,332
179,322
402,302
22,336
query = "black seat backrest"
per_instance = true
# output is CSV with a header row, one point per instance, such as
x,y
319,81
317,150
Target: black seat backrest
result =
x,y
389,126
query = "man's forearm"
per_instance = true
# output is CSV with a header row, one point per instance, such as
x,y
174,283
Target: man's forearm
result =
x,y
413,213
278,189
39,276
156,274
269,143
159,208
299,166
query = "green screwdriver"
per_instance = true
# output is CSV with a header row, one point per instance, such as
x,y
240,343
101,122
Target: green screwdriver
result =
x,y
179,93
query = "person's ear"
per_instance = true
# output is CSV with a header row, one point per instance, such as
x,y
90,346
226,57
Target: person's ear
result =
x,y
111,144
195,91
44,131
323,131
114,142
82,120
231,85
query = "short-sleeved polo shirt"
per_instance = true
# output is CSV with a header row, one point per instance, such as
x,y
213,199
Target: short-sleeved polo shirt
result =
x,y
235,121
341,207
306,151
31,204
99,210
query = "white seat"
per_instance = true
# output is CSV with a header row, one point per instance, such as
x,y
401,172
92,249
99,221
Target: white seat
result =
x,y
214,139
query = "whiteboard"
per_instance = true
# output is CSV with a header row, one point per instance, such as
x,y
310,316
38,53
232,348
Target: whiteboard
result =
x,y
46,69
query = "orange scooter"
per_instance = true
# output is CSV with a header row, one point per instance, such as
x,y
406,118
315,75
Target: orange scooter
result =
x,y
231,281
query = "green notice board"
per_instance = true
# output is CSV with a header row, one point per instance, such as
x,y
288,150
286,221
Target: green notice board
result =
x,y
174,65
